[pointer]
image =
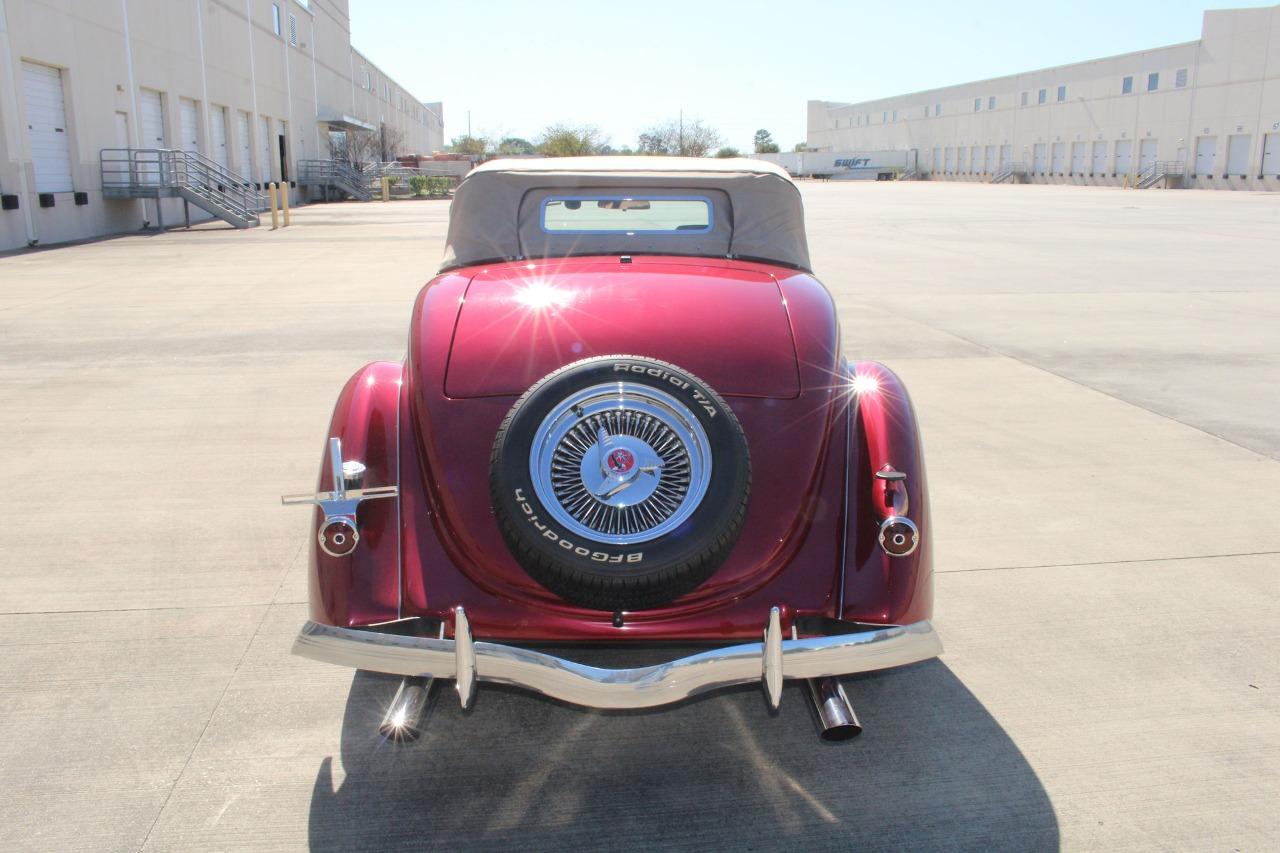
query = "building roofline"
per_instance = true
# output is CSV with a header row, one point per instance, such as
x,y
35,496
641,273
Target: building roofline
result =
x,y
1064,66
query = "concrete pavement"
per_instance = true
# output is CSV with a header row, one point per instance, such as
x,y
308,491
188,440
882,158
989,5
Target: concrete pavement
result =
x,y
1095,371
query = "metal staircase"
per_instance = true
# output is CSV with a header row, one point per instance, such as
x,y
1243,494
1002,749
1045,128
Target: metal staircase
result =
x,y
909,175
1170,171
1011,173
170,173
336,175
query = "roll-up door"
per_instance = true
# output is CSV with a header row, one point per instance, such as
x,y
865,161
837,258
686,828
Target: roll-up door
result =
x,y
1124,156
1099,166
47,127
218,132
1059,157
1238,155
189,125
244,154
1079,153
1039,158
264,149
1206,154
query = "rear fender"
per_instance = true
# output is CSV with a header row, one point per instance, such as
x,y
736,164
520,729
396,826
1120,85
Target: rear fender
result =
x,y
364,586
879,588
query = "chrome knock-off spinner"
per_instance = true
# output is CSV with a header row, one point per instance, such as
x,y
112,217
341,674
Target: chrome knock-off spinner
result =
x,y
620,463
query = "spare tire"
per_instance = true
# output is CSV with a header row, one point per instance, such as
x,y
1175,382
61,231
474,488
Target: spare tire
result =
x,y
620,482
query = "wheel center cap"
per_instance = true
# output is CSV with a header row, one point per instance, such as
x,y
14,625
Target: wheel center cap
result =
x,y
620,461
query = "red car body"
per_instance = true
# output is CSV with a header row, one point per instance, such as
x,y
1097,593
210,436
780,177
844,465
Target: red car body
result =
x,y
766,337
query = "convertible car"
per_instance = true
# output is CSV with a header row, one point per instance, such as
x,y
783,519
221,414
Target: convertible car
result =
x,y
623,418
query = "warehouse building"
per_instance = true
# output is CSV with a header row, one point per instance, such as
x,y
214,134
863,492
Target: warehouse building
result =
x,y
239,91
1201,114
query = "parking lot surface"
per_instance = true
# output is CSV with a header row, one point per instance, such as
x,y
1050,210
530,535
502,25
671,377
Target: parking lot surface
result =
x,y
1096,375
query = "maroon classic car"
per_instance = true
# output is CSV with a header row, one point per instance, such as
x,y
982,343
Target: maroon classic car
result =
x,y
623,418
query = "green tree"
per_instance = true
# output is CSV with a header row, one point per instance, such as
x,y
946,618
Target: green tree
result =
x,y
764,143
801,146
565,140
475,145
690,139
727,152
514,146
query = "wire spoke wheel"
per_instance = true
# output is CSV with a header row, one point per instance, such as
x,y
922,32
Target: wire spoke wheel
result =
x,y
620,463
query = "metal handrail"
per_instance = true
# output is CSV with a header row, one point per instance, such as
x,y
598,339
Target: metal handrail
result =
x,y
134,169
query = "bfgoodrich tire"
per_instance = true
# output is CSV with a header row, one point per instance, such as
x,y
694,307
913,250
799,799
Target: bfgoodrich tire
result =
x,y
620,482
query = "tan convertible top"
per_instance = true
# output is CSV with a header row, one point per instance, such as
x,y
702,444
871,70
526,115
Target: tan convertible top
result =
x,y
758,214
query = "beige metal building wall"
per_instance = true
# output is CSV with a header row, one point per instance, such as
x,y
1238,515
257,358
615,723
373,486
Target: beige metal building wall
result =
x,y
1213,104
249,79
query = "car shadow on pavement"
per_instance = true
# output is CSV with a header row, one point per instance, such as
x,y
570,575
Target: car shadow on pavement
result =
x,y
932,769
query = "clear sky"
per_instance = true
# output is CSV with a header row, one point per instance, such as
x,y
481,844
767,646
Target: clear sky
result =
x,y
520,66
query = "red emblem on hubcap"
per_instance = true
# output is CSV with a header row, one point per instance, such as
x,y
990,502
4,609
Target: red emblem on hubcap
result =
x,y
621,461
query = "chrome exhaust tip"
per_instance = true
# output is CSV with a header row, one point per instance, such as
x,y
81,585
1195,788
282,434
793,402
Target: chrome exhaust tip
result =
x,y
836,719
403,719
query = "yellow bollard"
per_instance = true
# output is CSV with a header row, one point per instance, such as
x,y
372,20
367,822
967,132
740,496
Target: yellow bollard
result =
x,y
284,201
275,210
386,188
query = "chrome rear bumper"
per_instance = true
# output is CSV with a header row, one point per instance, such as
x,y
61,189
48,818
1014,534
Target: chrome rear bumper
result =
x,y
467,661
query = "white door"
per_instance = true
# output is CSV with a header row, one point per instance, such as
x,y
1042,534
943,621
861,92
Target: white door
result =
x,y
244,154
189,125
1238,155
1099,166
1006,156
218,132
1271,154
962,159
989,159
951,160
264,149
1039,158
152,111
1059,157
1124,156
1206,154
1147,153
1079,153
975,160
47,127
936,165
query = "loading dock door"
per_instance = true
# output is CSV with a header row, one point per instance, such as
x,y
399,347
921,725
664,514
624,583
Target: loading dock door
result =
x,y
1006,156
951,160
1039,158
1238,155
1079,152
244,154
152,115
975,161
1099,166
264,149
1271,154
47,127
1147,154
152,119
1059,157
989,163
1206,154
962,159
188,125
1124,156
218,130
936,165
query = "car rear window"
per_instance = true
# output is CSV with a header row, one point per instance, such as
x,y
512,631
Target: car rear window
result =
x,y
609,214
